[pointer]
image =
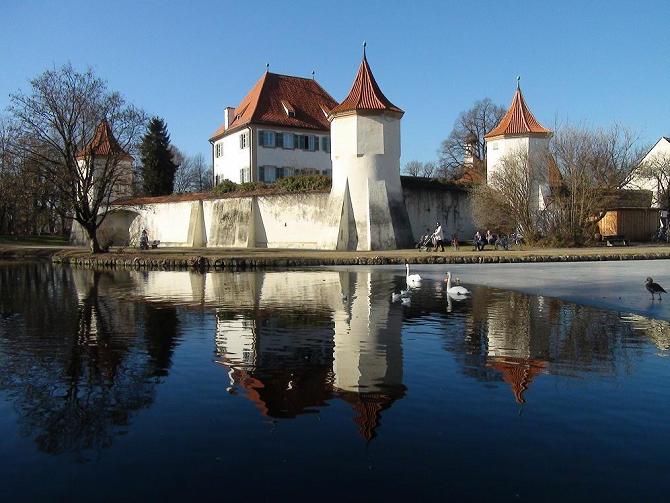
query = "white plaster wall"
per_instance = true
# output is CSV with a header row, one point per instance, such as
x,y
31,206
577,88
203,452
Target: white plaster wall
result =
x,y
295,158
234,158
166,222
451,208
292,221
498,148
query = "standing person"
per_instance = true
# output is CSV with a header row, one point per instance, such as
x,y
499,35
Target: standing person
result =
x,y
438,237
144,240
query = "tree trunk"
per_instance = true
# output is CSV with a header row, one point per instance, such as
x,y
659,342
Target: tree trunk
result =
x,y
91,230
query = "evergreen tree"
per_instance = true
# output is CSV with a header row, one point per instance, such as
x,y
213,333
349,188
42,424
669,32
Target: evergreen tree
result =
x,y
158,166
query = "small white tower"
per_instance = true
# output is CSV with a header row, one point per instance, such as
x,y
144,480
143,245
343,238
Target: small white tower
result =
x,y
108,160
365,154
519,133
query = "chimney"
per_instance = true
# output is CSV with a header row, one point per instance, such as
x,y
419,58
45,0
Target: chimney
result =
x,y
228,116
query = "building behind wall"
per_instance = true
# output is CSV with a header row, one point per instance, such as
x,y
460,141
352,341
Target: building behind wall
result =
x,y
279,129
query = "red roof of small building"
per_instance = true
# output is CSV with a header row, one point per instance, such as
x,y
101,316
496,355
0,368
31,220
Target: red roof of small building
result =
x,y
273,97
518,120
365,94
103,144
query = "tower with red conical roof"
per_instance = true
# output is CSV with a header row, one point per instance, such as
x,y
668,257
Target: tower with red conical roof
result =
x,y
105,155
520,135
365,155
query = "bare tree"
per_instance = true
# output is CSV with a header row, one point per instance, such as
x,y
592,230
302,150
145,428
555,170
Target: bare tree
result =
x,y
418,168
509,202
193,174
470,125
583,172
413,168
593,166
56,121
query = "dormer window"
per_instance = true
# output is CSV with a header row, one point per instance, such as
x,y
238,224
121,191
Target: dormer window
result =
x,y
290,111
325,110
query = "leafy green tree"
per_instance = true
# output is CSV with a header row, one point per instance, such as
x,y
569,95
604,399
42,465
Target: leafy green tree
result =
x,y
158,166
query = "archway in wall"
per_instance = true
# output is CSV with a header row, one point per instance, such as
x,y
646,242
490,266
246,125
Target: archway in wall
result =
x,y
121,227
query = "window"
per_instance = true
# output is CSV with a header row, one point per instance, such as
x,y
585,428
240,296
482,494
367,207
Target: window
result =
x,y
267,174
279,173
301,141
313,143
327,172
216,180
325,143
218,149
244,175
266,139
288,141
243,140
279,140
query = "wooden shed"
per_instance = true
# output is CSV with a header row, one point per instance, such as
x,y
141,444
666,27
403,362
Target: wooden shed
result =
x,y
635,224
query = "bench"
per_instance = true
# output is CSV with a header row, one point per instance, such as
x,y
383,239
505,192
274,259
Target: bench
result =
x,y
616,240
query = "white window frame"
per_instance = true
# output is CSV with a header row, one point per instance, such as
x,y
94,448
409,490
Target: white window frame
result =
x,y
244,140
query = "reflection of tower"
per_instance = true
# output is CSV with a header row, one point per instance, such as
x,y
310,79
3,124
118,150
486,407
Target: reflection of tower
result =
x,y
513,322
368,352
310,337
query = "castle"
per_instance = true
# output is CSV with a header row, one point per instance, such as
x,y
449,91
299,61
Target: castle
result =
x,y
290,125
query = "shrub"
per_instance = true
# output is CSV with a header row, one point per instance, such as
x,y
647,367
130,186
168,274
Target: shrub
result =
x,y
303,183
225,187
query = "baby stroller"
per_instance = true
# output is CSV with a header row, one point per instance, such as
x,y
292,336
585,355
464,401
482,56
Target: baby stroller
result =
x,y
425,242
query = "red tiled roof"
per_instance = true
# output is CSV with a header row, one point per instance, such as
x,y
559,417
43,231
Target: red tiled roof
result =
x,y
264,104
365,94
103,144
518,120
518,373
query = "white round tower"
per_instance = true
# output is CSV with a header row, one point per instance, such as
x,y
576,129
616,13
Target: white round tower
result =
x,y
519,134
365,153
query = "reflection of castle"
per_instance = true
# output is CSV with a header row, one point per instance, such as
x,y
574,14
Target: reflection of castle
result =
x,y
315,337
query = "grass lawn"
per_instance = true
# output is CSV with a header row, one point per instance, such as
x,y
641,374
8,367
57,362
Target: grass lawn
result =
x,y
45,240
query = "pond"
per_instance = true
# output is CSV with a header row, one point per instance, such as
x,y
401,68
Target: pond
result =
x,y
315,384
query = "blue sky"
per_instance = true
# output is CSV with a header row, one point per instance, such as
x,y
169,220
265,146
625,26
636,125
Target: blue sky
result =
x,y
591,63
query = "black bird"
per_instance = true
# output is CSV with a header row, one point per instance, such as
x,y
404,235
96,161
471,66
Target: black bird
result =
x,y
654,288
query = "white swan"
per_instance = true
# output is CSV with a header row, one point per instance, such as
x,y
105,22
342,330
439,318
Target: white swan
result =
x,y
455,290
413,280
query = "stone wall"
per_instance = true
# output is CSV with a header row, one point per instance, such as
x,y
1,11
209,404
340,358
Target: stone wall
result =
x,y
429,204
308,221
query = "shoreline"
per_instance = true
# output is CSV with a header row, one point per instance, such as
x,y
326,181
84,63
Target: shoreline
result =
x,y
263,258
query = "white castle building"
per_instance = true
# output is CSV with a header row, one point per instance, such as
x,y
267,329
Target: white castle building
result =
x,y
279,129
290,125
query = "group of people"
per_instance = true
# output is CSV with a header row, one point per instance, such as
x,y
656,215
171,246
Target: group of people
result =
x,y
496,240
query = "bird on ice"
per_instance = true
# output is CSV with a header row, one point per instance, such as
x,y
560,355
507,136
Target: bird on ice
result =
x,y
654,288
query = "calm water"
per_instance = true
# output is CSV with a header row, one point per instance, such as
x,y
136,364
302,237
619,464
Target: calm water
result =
x,y
277,385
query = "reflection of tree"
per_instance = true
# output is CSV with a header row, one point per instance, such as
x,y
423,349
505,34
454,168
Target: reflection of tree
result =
x,y
74,372
161,328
